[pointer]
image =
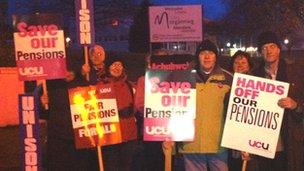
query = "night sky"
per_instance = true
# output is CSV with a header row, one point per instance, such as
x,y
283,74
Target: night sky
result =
x,y
213,9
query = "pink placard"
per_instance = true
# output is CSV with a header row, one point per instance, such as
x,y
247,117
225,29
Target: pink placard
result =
x,y
176,23
170,105
39,47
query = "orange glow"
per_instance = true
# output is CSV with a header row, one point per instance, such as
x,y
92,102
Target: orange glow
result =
x,y
93,102
80,101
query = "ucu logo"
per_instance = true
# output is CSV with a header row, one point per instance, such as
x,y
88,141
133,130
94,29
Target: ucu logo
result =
x,y
105,90
28,71
157,130
258,144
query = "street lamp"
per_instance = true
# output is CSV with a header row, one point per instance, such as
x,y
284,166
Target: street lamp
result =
x,y
228,44
286,41
67,39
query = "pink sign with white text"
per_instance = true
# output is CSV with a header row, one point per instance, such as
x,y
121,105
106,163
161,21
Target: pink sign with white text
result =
x,y
176,23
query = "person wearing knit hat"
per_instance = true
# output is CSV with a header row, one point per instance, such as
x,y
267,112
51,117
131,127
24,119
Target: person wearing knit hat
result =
x,y
206,54
212,88
207,45
119,156
290,149
268,37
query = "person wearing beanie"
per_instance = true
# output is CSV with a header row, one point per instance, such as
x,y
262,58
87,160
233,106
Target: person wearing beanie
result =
x,y
212,91
268,37
290,142
119,156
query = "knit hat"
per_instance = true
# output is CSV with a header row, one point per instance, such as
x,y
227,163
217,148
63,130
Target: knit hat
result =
x,y
207,45
113,58
267,37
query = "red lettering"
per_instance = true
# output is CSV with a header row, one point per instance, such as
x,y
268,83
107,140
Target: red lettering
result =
x,y
33,30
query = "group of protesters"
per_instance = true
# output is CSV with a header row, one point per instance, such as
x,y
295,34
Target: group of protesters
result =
x,y
213,84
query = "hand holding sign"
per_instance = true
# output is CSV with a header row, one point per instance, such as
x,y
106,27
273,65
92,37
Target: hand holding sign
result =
x,y
287,103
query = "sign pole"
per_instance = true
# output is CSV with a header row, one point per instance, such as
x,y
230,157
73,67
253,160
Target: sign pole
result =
x,y
86,60
168,156
244,166
100,158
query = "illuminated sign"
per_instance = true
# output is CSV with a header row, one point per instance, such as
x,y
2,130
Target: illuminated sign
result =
x,y
94,116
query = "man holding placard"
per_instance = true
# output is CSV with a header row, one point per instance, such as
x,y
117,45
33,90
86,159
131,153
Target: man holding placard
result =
x,y
290,143
212,87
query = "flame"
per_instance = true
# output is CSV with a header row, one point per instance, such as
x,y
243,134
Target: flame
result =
x,y
80,101
93,102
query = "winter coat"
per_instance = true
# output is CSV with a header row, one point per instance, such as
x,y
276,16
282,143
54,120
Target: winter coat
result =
x,y
292,130
211,94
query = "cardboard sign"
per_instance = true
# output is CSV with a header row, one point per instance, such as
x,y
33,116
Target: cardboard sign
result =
x,y
254,119
39,47
85,21
170,102
29,132
94,116
176,23
10,87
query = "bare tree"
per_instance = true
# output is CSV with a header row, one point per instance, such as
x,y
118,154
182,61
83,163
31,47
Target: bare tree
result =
x,y
247,18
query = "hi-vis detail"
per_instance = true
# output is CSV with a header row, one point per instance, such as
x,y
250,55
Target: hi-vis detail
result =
x,y
31,71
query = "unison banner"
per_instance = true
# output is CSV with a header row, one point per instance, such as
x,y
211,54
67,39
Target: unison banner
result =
x,y
85,21
94,116
29,132
176,23
39,47
170,102
254,119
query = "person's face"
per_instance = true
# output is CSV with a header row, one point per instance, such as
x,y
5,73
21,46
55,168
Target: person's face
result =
x,y
98,56
270,52
241,64
116,69
207,60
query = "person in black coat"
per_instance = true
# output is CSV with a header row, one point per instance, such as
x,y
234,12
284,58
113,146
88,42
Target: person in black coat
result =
x,y
61,151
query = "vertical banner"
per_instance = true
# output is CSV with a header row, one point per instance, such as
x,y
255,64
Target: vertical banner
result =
x,y
170,102
39,47
94,116
85,22
29,132
176,23
254,119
